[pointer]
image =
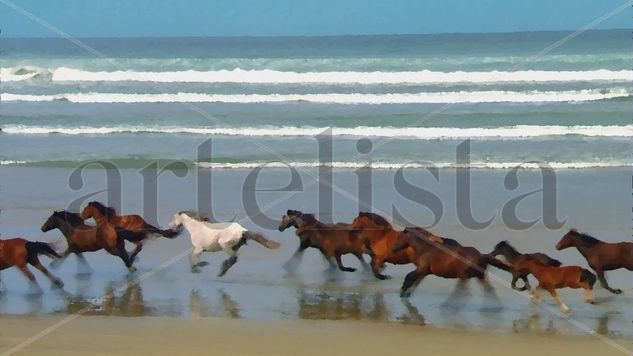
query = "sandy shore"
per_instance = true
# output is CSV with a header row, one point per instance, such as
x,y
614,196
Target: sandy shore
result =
x,y
109,335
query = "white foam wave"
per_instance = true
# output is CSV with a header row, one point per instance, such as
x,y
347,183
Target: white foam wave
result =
x,y
267,76
532,96
11,162
424,133
399,165
23,73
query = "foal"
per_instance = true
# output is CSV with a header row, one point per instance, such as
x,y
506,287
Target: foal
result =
x,y
19,252
514,257
601,256
552,278
442,257
133,223
333,240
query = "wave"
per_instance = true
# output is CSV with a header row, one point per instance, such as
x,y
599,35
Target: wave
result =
x,y
425,133
382,165
532,96
270,76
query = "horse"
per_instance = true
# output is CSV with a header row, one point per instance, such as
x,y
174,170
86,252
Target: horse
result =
x,y
113,238
379,237
19,252
333,240
214,237
551,278
134,223
514,257
601,256
443,257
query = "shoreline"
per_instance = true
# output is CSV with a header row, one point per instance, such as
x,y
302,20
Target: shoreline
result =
x,y
230,336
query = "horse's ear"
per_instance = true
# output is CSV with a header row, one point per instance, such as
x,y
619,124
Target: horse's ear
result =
x,y
573,229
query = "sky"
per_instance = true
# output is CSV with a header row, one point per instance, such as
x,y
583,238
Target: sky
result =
x,y
147,18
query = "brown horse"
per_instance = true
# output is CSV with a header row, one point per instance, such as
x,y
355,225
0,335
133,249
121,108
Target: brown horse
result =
x,y
111,238
18,252
601,256
514,257
443,257
379,238
333,240
551,278
134,223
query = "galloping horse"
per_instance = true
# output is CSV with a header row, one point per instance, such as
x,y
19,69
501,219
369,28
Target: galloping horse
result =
x,y
551,278
379,237
601,256
113,238
442,257
514,257
333,240
19,252
214,237
134,223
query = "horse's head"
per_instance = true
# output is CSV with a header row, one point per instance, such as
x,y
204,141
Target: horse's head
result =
x,y
52,222
403,241
176,221
291,218
94,209
501,248
568,240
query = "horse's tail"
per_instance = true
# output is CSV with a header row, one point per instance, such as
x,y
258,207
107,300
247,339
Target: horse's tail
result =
x,y
260,239
587,276
131,236
491,260
40,248
168,233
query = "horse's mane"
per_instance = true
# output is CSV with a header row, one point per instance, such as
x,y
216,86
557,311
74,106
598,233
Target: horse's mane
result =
x,y
196,216
104,210
586,238
417,231
506,244
73,219
375,218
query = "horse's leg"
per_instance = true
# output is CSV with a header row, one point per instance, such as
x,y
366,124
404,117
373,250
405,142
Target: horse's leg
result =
x,y
589,296
28,274
227,264
411,280
193,259
603,281
296,258
0,283
363,263
83,263
536,294
121,252
58,262
56,281
377,266
562,305
139,247
339,263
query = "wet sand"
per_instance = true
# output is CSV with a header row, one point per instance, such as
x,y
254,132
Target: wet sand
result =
x,y
161,336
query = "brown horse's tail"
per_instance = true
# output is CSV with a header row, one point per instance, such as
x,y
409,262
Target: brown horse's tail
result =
x,y
260,239
168,233
588,277
131,236
40,248
491,260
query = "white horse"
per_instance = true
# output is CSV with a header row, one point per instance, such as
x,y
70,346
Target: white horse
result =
x,y
213,237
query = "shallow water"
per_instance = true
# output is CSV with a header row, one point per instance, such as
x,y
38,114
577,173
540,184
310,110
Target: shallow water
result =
x,y
597,201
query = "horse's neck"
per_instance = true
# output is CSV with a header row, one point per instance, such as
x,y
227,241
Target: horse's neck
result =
x,y
66,228
511,254
582,247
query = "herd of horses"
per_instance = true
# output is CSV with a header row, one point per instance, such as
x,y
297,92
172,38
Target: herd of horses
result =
x,y
368,234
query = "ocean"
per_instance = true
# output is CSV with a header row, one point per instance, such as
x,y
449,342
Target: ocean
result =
x,y
263,100
388,102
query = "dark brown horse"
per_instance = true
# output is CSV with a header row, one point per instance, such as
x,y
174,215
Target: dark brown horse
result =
x,y
514,257
379,238
109,237
18,252
333,240
552,278
443,257
133,223
601,256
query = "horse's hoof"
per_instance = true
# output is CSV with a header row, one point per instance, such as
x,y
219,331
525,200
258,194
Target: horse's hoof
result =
x,y
382,277
348,269
617,291
203,263
195,270
405,294
58,283
591,301
131,269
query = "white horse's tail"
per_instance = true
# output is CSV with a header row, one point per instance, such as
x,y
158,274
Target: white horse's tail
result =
x,y
260,239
